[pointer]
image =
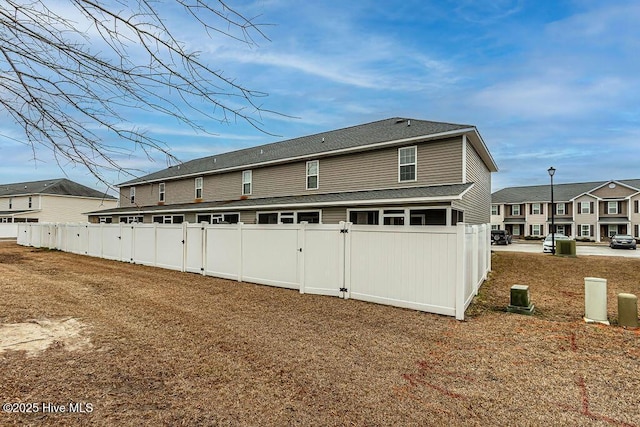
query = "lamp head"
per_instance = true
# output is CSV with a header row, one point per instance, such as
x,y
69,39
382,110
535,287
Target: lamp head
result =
x,y
551,171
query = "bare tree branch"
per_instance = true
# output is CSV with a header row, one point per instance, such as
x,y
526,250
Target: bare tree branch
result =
x,y
65,85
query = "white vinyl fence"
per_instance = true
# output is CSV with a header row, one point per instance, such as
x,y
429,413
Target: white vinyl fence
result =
x,y
8,230
436,269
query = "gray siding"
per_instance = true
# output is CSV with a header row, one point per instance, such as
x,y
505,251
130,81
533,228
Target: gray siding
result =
x,y
477,201
334,215
438,162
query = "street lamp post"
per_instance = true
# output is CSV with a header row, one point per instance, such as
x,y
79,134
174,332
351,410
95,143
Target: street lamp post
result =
x,y
552,171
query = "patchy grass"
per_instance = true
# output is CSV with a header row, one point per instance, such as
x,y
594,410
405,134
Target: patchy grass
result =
x,y
170,348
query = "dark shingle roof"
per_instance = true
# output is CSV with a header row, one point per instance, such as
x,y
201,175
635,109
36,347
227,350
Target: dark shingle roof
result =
x,y
542,193
392,129
59,186
440,192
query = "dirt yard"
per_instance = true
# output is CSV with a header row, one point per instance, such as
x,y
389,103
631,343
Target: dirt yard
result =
x,y
135,345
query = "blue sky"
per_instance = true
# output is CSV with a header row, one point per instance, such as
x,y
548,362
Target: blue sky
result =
x,y
547,83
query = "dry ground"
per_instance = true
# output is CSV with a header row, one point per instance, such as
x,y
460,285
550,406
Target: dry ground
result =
x,y
170,348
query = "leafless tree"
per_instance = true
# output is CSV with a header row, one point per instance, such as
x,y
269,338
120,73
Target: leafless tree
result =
x,y
72,70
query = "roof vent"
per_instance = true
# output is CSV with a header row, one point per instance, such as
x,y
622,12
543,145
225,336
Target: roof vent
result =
x,y
214,160
408,122
261,151
323,139
400,121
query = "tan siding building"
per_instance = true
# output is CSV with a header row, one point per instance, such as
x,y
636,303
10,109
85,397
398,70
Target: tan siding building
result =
x,y
590,211
396,171
56,200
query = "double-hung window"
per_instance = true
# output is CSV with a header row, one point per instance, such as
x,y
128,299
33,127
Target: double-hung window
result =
x,y
536,209
585,230
407,163
612,208
30,202
161,192
198,185
515,210
246,183
560,209
313,172
132,194
495,210
10,202
585,207
536,230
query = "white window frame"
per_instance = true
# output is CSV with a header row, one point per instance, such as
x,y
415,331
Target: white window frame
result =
x,y
289,214
495,226
132,219
613,211
30,201
402,215
4,220
514,228
247,179
494,210
217,217
10,203
310,164
407,213
533,208
414,148
103,220
513,210
582,208
582,230
363,210
611,231
132,195
199,186
537,232
168,219
161,192
558,210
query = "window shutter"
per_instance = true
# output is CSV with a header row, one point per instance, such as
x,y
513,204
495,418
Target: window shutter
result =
x,y
636,228
591,210
530,229
530,208
499,209
635,206
591,231
541,208
619,208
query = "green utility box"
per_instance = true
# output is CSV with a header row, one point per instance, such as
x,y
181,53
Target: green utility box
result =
x,y
566,248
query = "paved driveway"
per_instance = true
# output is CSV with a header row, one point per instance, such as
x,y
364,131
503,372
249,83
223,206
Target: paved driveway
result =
x,y
581,249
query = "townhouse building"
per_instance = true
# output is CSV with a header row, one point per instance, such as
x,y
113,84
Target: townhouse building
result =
x,y
52,200
585,210
396,171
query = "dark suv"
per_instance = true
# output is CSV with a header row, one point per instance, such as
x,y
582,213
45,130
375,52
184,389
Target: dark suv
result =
x,y
500,237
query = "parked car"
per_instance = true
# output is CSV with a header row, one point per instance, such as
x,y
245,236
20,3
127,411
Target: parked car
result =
x,y
622,241
500,237
547,245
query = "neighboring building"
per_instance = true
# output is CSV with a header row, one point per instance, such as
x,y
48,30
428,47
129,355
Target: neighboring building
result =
x,y
589,210
53,200
396,171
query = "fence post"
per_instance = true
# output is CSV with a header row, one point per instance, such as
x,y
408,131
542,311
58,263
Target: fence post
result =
x,y
240,224
302,229
133,243
461,270
184,246
346,265
203,250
